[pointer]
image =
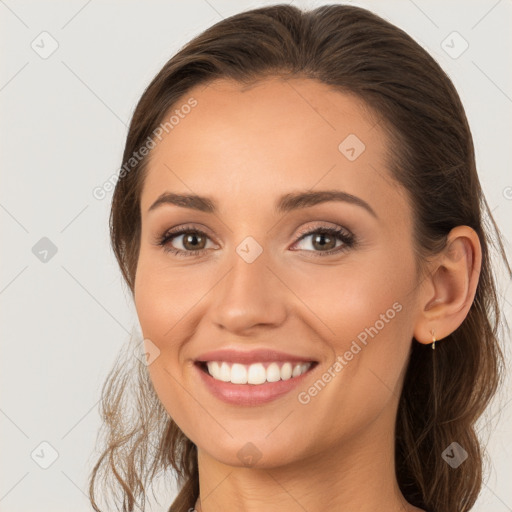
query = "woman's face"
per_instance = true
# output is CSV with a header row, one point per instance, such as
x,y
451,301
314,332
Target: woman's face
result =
x,y
344,302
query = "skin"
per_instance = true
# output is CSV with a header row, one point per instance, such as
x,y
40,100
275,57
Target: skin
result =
x,y
244,148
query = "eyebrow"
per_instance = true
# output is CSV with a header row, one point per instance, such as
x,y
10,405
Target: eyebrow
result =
x,y
286,203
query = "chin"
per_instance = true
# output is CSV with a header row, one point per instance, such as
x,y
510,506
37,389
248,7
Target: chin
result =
x,y
257,454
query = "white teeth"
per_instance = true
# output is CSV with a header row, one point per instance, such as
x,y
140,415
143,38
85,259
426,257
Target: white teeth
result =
x,y
256,373
238,374
297,370
273,372
286,371
225,372
213,368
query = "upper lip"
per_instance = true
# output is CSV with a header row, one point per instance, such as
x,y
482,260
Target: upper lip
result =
x,y
251,356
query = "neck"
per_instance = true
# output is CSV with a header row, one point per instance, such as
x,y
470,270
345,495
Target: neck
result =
x,y
357,474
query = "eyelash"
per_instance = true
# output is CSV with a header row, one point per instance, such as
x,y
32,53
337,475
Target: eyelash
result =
x,y
345,236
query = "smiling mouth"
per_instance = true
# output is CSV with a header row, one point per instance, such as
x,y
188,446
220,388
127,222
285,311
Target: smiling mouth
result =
x,y
256,373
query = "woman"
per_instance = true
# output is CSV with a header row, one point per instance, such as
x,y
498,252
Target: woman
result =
x,y
299,220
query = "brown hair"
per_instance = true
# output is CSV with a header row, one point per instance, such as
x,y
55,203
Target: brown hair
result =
x,y
431,155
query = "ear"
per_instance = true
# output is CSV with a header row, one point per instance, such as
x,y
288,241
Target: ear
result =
x,y
449,289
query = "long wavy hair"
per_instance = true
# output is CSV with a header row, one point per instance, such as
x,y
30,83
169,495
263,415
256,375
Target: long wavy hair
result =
x,y
431,155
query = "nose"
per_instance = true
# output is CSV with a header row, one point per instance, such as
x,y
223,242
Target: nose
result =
x,y
250,296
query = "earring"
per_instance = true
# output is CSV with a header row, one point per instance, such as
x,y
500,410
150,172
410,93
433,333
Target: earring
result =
x,y
433,340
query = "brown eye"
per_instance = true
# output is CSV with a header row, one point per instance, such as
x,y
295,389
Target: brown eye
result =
x,y
323,241
193,241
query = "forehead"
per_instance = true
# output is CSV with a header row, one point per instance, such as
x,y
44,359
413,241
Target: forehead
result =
x,y
268,139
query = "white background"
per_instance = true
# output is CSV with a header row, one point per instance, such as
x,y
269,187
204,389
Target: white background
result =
x,y
63,122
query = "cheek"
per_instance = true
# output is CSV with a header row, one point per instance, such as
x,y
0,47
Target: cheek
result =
x,y
363,311
366,323
161,303
151,305
163,296
351,297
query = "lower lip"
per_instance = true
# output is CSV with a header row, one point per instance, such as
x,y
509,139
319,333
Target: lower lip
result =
x,y
250,394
